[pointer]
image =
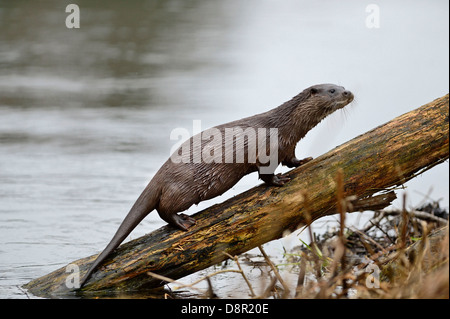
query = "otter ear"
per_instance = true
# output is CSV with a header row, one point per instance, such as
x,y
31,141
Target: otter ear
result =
x,y
314,91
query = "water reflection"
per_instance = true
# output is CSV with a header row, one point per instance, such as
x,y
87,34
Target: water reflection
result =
x,y
123,54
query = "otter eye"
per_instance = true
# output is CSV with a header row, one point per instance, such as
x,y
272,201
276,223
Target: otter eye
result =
x,y
332,90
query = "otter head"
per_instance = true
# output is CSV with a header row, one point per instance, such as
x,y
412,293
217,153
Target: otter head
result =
x,y
328,98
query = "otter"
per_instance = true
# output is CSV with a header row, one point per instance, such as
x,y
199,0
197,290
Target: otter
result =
x,y
184,180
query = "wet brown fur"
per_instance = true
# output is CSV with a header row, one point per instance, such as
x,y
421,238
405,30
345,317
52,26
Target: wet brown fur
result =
x,y
177,186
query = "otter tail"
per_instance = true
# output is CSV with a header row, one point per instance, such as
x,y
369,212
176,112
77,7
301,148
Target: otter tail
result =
x,y
146,202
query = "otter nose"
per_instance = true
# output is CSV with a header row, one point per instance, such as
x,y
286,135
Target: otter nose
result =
x,y
348,95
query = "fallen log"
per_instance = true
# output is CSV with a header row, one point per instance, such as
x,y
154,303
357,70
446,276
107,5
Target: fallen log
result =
x,y
373,164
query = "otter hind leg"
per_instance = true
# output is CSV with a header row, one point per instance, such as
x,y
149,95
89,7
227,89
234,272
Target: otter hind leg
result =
x,y
181,221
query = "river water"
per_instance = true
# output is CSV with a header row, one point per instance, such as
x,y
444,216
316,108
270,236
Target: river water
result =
x,y
86,113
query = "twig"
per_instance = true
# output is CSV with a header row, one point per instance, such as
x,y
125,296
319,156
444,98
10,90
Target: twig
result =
x,y
191,285
170,280
421,215
207,278
313,244
210,293
384,232
211,275
235,258
362,234
404,224
342,208
301,277
275,271
269,288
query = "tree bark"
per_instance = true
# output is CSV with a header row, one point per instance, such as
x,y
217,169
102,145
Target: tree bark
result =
x,y
373,164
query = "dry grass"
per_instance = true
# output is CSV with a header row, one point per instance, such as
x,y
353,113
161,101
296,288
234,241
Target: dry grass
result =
x,y
419,270
399,254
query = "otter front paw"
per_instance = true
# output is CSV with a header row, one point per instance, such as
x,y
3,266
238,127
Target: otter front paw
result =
x,y
295,162
275,180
